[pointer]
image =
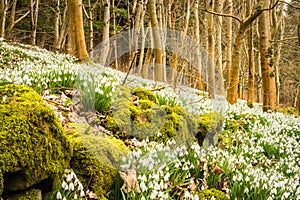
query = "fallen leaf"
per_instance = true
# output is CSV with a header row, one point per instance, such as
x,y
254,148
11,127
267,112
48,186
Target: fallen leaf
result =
x,y
130,181
218,170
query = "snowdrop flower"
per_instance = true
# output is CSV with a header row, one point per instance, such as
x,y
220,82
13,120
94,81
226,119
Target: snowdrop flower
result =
x,y
71,186
187,194
82,194
64,198
143,186
80,187
75,196
68,179
64,184
58,195
66,187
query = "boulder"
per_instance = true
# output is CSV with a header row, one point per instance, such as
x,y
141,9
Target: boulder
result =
x,y
33,144
95,158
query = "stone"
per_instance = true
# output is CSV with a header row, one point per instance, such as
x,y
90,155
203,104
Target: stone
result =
x,y
33,143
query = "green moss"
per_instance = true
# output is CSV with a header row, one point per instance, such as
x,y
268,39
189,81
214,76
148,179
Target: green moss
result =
x,y
32,138
144,94
127,119
288,110
209,193
148,119
224,141
145,104
18,93
209,123
95,160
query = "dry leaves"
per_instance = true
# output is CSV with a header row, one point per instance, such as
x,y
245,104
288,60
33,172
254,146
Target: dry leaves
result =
x,y
217,170
130,181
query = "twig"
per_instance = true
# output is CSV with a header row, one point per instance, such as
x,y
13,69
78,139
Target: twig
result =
x,y
133,60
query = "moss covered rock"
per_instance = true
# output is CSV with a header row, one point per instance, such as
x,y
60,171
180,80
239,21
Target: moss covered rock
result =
x,y
212,193
33,142
209,124
144,94
130,119
95,159
143,117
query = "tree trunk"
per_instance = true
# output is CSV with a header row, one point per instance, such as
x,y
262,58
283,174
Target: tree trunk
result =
x,y
181,73
105,33
219,56
4,6
278,57
56,26
258,68
211,51
158,54
142,52
277,20
91,27
76,30
148,56
228,43
251,77
34,8
197,40
232,90
268,72
298,102
174,57
136,32
63,28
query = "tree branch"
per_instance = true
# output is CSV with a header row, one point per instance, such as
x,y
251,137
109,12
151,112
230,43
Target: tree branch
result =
x,y
295,7
249,19
223,15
